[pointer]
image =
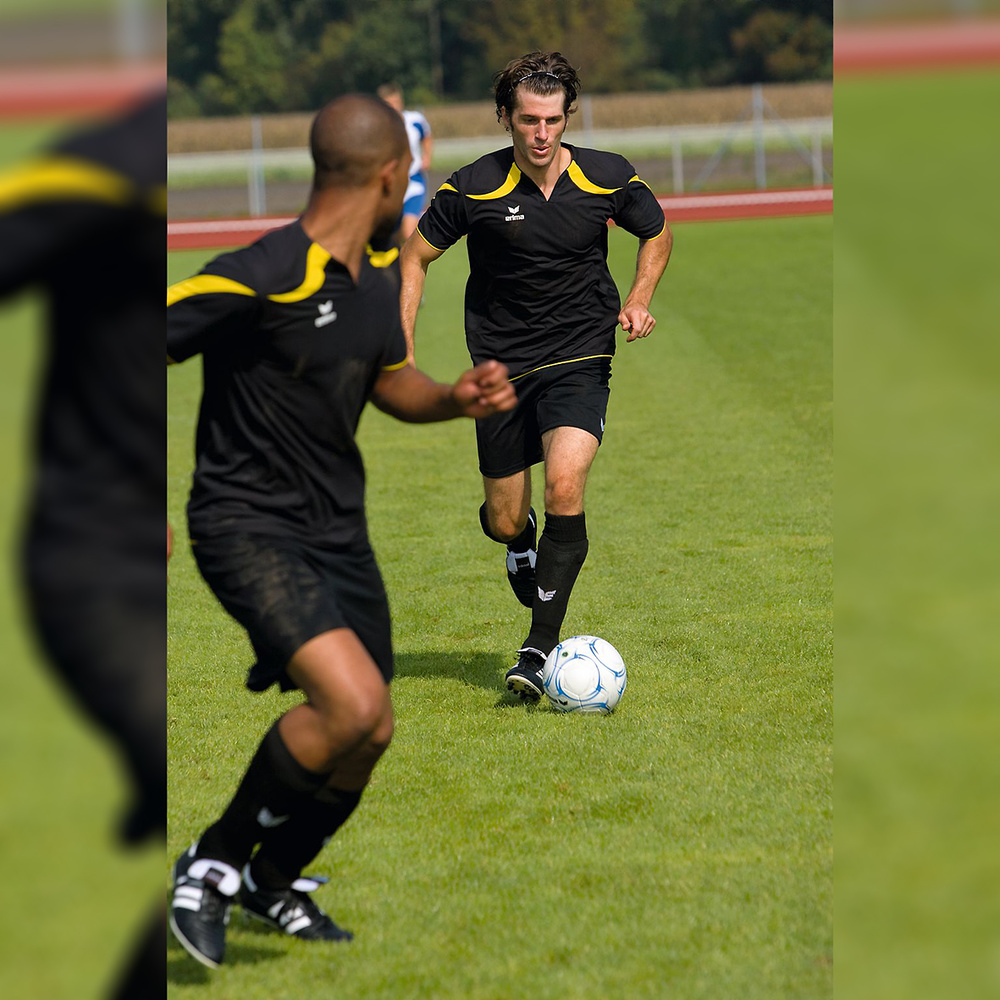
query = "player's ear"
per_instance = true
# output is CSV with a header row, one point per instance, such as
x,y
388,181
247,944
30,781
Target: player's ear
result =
x,y
386,175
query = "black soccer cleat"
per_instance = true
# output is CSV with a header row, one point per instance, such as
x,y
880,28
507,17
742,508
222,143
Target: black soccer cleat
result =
x,y
199,911
525,677
290,910
521,567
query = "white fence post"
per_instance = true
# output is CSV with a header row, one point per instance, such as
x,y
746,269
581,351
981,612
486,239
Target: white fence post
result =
x,y
817,152
255,171
760,169
677,154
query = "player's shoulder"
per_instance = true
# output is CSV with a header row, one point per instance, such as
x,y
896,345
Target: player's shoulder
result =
x,y
277,262
416,118
484,175
132,144
603,168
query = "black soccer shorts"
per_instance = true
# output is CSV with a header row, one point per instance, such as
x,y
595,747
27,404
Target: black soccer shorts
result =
x,y
574,394
285,593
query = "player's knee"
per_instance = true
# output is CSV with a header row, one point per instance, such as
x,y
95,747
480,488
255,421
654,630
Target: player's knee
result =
x,y
500,525
381,737
354,723
563,496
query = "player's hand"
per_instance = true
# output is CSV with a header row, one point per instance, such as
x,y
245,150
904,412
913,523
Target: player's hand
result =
x,y
636,321
483,390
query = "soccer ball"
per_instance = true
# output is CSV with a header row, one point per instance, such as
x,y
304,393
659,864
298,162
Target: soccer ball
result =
x,y
584,674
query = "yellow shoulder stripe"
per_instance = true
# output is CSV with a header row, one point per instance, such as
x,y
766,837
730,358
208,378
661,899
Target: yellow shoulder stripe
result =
x,y
427,241
584,183
381,258
60,178
316,260
659,234
447,187
513,176
206,284
396,366
638,179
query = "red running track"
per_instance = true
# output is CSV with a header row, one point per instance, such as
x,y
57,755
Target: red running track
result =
x,y
194,234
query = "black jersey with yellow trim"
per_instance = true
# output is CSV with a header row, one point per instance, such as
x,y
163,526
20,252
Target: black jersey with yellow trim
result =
x,y
291,349
83,223
539,289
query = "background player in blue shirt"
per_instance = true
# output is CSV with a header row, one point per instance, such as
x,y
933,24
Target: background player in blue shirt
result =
x,y
418,131
540,298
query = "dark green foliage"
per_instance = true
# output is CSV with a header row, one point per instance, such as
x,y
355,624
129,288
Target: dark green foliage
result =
x,y
240,56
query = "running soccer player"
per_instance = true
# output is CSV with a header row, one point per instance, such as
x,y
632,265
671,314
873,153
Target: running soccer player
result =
x,y
418,131
83,223
297,332
541,299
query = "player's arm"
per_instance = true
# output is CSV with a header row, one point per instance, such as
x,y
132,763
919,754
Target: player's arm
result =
x,y
651,261
207,307
426,150
413,396
414,259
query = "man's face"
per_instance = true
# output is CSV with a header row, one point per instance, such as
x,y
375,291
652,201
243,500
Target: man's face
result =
x,y
536,126
393,201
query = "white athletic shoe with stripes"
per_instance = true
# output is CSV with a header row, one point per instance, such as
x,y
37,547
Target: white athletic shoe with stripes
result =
x,y
290,910
199,910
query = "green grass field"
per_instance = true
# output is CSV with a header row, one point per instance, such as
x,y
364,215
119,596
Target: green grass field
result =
x,y
681,847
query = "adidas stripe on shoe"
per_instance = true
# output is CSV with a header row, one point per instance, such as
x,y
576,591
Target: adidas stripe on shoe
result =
x,y
290,910
199,909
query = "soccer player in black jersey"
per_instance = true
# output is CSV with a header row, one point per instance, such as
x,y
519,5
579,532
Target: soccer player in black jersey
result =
x,y
83,223
297,332
541,299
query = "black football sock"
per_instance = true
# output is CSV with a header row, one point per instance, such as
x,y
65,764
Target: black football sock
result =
x,y
274,785
288,848
523,542
561,552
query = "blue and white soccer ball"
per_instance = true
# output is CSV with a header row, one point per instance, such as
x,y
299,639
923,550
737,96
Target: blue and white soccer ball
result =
x,y
584,674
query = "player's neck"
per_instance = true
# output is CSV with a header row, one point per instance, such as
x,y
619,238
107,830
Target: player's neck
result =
x,y
340,222
545,177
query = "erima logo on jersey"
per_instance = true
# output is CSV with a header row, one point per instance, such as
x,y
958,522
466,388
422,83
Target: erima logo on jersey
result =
x,y
267,819
326,314
513,217
545,595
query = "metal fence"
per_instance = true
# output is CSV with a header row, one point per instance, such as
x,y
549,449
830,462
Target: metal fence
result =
x,y
693,152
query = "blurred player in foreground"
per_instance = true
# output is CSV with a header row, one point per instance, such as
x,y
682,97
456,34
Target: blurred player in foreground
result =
x,y
541,299
85,222
418,131
297,332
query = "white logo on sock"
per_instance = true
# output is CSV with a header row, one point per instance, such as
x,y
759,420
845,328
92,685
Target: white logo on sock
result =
x,y
266,818
545,595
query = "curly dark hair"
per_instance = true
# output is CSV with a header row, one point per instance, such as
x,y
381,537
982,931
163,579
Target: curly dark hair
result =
x,y
541,73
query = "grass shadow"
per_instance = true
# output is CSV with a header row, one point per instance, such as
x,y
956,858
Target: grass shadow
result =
x,y
479,669
484,670
182,969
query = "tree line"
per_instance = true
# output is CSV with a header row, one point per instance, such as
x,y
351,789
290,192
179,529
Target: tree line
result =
x,y
255,56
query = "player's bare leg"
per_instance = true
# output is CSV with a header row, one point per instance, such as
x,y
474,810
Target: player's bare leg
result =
x,y
569,452
291,800
341,731
346,719
508,503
